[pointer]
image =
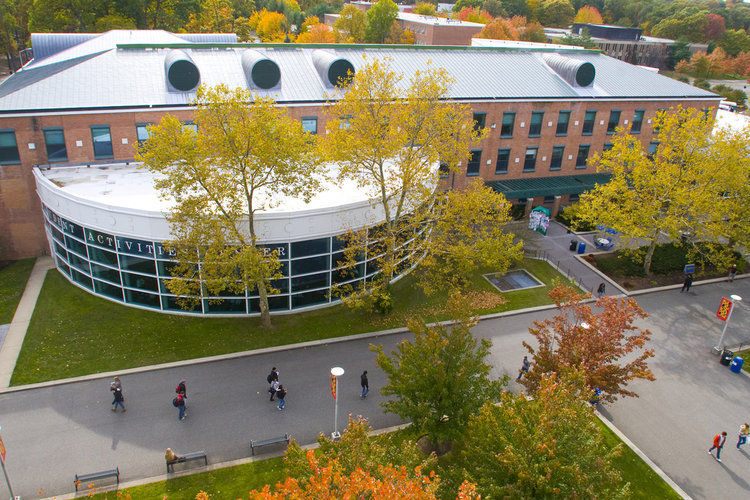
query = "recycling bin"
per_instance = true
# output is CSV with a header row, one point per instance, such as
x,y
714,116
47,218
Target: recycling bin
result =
x,y
581,247
736,365
726,357
573,245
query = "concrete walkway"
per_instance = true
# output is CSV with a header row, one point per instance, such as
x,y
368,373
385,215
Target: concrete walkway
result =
x,y
11,346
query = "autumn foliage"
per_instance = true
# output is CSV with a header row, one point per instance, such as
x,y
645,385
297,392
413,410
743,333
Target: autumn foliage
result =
x,y
592,342
588,14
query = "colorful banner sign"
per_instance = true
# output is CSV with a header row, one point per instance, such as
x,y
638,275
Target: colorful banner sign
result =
x,y
2,448
725,307
333,386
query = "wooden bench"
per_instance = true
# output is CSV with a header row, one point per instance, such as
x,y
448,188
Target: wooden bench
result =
x,y
84,478
198,455
263,442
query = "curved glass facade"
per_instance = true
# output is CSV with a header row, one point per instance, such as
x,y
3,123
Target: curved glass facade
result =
x,y
133,271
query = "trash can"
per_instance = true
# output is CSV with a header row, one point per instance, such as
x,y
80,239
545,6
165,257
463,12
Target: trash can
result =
x,y
573,245
726,357
736,365
581,247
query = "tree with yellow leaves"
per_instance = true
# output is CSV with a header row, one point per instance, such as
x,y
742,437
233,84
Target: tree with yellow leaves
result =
x,y
351,25
246,151
313,31
269,26
693,181
588,14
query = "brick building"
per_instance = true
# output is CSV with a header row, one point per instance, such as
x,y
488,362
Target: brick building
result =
x,y
84,103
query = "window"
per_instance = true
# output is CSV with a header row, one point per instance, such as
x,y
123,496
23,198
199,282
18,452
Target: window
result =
x,y
444,170
479,119
503,158
529,164
506,130
345,122
652,147
637,122
473,167
562,123
8,148
607,146
310,124
614,121
141,132
588,122
535,127
583,155
549,199
102,142
190,126
54,140
557,157
573,198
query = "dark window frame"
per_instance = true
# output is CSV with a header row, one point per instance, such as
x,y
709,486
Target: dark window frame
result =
x,y
535,129
15,158
64,148
309,118
562,127
504,133
581,147
633,129
588,125
503,156
557,164
479,119
145,126
109,152
612,125
474,161
532,162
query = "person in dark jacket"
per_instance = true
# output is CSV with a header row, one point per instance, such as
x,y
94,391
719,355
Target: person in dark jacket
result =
x,y
119,399
281,394
181,407
365,384
686,284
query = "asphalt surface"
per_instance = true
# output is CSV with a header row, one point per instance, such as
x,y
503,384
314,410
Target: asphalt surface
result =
x,y
52,433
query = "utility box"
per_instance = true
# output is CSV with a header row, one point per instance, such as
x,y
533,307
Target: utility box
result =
x,y
726,357
736,365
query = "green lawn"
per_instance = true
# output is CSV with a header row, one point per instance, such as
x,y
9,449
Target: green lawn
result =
x,y
74,333
228,483
12,282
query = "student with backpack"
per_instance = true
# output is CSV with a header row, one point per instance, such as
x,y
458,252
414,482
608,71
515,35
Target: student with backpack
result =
x,y
281,393
273,379
179,402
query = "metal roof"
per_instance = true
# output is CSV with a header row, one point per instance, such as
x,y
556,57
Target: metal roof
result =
x,y
548,186
125,69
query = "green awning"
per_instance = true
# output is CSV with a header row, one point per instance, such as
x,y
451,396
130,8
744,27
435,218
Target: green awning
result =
x,y
548,186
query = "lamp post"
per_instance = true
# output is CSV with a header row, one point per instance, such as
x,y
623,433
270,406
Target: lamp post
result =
x,y
735,298
336,372
5,473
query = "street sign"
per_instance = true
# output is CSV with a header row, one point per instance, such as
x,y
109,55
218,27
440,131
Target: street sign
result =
x,y
725,307
689,268
333,386
2,448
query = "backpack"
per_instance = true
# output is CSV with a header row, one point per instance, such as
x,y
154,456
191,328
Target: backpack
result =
x,y
270,377
175,402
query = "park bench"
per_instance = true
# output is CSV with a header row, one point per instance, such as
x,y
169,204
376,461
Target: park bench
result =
x,y
84,478
263,442
197,455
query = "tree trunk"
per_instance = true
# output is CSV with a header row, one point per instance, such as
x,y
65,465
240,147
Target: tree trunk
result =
x,y
650,253
265,313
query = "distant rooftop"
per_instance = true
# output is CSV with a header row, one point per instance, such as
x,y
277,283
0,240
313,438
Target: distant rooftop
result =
x,y
436,21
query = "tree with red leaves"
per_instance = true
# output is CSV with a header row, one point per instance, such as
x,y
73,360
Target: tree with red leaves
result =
x,y
592,342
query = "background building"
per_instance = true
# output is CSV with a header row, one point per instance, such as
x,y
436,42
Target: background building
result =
x,y
85,103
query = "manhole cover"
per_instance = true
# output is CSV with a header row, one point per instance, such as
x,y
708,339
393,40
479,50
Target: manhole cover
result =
x,y
513,280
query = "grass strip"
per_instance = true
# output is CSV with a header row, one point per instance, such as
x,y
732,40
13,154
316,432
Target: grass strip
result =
x,y
74,333
13,280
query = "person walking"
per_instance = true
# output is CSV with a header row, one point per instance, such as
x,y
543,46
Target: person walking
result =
x,y
179,402
281,394
744,431
732,272
526,364
686,284
119,399
274,375
115,384
719,441
273,389
600,290
365,384
181,390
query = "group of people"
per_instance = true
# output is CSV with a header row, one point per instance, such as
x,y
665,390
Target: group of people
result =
x,y
721,439
732,273
276,389
179,401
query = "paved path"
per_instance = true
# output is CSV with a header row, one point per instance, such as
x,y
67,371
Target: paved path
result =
x,y
55,431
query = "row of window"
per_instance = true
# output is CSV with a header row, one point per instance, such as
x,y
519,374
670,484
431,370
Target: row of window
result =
x,y
530,158
563,120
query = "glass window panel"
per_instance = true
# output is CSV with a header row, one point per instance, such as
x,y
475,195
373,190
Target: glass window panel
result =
x,y
607,146
529,164
373,266
8,148
562,123
444,170
339,243
503,158
535,127
348,273
275,303
56,233
479,120
170,303
100,239
310,124
557,156
614,121
588,123
142,298
114,292
190,126
140,282
637,121
310,265
472,168
71,228
78,263
310,298
163,253
282,285
310,247
102,142
135,247
226,306
103,256
80,278
60,250
75,245
141,132
311,281
105,273
63,266
506,129
583,154
165,267
137,264
54,140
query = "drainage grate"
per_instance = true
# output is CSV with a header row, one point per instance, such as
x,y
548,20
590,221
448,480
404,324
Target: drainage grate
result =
x,y
518,279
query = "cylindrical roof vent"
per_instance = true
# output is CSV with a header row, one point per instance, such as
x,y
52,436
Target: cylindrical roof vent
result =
x,y
260,71
575,72
334,71
182,73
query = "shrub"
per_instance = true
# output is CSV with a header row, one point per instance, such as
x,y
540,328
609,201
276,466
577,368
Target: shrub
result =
x,y
570,217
